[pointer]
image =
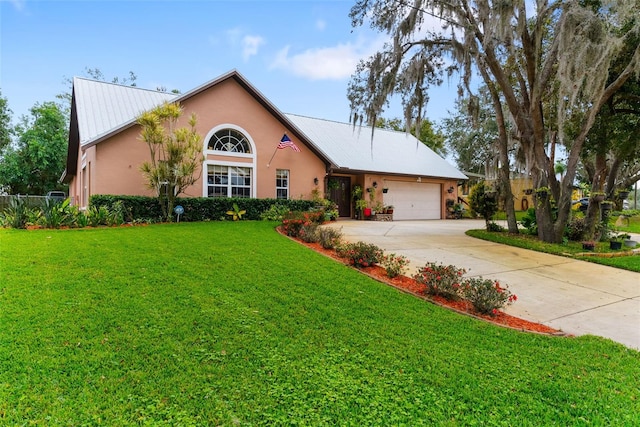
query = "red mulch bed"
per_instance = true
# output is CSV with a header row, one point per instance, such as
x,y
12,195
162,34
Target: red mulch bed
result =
x,y
409,285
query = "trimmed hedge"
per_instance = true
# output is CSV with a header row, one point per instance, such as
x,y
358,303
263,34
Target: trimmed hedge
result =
x,y
140,208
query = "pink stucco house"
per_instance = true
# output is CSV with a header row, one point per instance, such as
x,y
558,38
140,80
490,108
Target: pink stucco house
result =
x,y
241,130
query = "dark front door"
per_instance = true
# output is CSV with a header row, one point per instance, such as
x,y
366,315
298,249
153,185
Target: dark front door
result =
x,y
340,194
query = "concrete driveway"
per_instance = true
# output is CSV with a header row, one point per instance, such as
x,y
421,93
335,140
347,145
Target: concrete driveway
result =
x,y
576,297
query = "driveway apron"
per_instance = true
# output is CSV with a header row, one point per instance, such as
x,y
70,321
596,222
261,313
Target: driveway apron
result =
x,y
574,296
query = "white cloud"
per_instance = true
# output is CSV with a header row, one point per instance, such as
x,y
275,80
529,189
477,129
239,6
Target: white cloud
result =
x,y
237,38
326,63
250,45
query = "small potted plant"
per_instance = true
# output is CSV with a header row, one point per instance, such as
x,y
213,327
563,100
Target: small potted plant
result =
x,y
458,210
606,206
616,239
542,192
589,245
623,194
361,205
378,208
389,209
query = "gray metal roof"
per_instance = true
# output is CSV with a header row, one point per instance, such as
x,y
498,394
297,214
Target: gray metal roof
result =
x,y
102,107
351,147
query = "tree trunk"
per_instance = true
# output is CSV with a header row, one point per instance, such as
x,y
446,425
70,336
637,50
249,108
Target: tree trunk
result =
x,y
504,180
597,185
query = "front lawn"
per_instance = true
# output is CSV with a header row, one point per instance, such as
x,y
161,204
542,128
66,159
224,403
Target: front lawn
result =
x,y
629,225
227,323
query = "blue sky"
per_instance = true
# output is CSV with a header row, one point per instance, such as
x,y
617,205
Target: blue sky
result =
x,y
299,53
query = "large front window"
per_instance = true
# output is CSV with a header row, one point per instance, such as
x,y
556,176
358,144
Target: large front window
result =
x,y
228,181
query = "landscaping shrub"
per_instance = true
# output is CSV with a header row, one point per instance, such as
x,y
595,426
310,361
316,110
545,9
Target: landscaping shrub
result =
x,y
494,227
116,214
529,222
575,229
487,296
81,219
293,222
147,209
56,215
97,215
136,206
275,212
395,265
16,215
360,254
483,202
329,238
440,279
309,233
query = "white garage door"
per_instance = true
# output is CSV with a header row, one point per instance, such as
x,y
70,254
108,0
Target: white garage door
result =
x,y
413,200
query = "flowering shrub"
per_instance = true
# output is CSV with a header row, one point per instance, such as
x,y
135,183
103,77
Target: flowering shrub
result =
x,y
440,279
487,296
360,254
395,264
293,222
329,237
309,233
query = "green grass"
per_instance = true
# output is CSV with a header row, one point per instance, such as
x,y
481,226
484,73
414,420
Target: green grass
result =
x,y
632,227
232,324
570,249
503,215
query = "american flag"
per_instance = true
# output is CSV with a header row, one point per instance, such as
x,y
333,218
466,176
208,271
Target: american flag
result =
x,y
285,142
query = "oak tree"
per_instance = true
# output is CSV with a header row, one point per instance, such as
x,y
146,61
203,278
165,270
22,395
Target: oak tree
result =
x,y
530,55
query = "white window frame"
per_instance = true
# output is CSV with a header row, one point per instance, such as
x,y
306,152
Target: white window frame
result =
x,y
224,126
286,188
250,166
246,164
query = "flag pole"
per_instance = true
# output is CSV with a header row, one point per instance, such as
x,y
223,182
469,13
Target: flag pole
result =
x,y
274,154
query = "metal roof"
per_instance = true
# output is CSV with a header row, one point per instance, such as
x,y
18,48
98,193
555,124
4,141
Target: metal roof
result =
x,y
104,109
102,106
352,147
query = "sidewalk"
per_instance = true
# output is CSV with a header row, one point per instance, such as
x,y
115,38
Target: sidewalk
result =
x,y
574,296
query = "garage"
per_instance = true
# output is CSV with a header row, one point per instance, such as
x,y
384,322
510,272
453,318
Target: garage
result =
x,y
413,200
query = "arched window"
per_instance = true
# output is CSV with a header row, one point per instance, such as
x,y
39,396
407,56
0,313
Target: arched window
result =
x,y
230,141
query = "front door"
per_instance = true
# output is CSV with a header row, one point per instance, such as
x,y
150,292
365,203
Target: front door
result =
x,y
340,194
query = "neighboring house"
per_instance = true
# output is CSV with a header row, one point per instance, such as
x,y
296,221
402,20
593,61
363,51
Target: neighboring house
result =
x,y
241,130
